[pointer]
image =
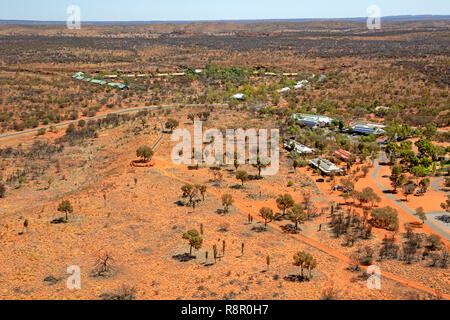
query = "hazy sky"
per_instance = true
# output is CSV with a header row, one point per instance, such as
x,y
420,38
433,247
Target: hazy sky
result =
x,y
146,10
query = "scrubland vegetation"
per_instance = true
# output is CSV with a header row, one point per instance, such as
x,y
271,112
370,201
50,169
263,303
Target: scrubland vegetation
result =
x,y
105,194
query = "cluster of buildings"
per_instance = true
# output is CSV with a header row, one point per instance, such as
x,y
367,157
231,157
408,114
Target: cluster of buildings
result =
x,y
299,85
316,121
81,76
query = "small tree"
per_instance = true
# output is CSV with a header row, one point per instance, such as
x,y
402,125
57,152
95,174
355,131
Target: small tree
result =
x,y
311,264
385,218
420,213
397,177
365,170
145,152
446,205
194,239
424,184
408,189
202,189
65,207
227,201
261,164
104,264
189,192
285,202
297,215
243,176
267,215
171,124
300,260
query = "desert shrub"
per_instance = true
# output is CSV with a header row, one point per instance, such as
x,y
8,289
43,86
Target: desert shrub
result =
x,y
385,218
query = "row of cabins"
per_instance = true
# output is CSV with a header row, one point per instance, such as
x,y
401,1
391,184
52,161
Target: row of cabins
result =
x,y
80,76
299,85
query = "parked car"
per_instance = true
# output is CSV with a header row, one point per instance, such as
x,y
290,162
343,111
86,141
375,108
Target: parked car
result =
x,y
320,180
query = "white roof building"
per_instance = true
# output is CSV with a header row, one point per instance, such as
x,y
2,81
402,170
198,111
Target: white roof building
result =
x,y
284,90
369,128
301,84
325,166
312,120
297,147
238,96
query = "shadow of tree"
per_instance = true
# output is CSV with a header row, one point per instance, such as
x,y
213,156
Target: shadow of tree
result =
x,y
296,278
185,257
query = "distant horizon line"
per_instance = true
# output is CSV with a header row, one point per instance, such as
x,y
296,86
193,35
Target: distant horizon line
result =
x,y
353,19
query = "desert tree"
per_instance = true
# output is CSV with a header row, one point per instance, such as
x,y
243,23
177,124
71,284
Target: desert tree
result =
x,y
227,201
297,215
202,189
261,163
285,202
408,189
424,184
145,152
300,260
267,215
194,240
446,205
311,264
306,199
189,192
242,176
397,177
420,213
65,207
236,161
171,124
103,264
